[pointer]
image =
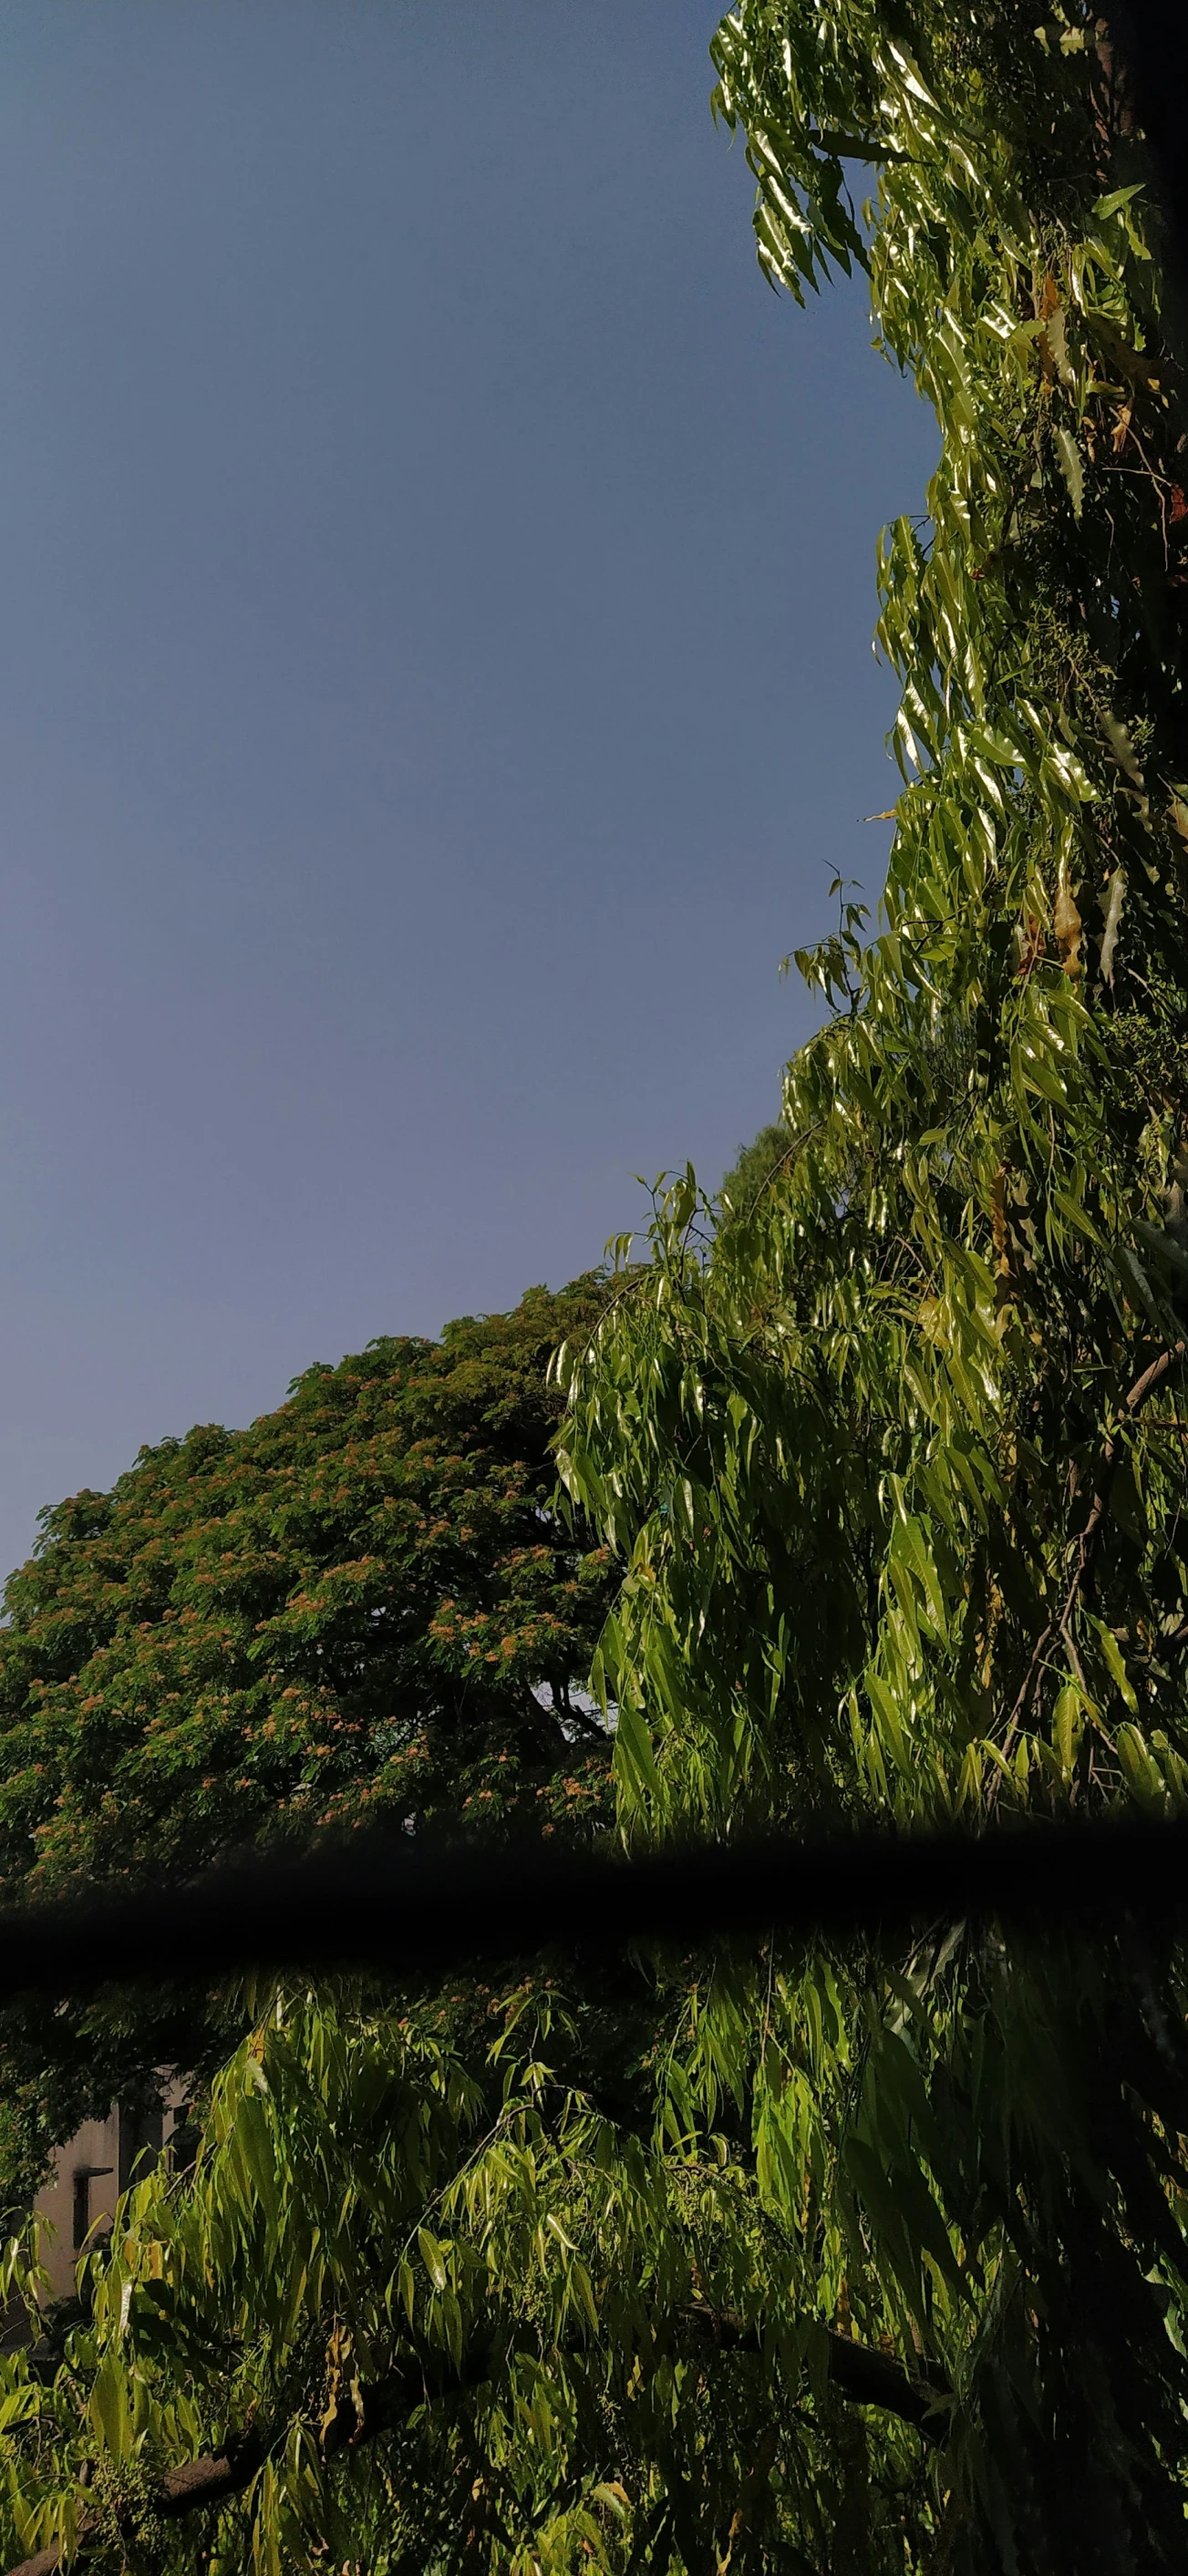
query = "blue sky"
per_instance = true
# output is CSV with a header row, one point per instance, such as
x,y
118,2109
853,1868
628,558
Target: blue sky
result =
x,y
436,685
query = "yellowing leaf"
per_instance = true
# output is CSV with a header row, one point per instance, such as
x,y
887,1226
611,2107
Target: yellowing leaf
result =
x,y
1066,922
1069,459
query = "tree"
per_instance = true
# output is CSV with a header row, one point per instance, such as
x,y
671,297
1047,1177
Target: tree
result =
x,y
754,1167
365,1605
899,1470
887,2268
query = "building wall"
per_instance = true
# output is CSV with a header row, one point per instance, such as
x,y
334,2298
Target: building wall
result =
x,y
78,2205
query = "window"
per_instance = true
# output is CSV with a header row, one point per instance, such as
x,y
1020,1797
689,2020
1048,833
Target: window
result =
x,y
83,2177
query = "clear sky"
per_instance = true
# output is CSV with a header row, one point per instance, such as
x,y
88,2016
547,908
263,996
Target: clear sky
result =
x,y
436,588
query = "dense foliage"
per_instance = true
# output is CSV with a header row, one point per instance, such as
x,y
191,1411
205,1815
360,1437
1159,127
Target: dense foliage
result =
x,y
900,1469
364,1606
880,2264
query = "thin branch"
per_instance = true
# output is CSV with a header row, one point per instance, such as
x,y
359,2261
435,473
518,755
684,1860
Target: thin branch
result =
x,y
1087,1543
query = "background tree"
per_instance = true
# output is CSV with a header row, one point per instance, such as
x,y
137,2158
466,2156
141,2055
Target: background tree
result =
x,y
888,2268
363,1606
754,1168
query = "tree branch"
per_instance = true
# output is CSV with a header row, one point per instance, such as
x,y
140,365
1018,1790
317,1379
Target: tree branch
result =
x,y
871,2378
858,2372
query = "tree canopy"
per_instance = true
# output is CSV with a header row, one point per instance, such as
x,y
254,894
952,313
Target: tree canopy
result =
x,y
882,2265
364,1606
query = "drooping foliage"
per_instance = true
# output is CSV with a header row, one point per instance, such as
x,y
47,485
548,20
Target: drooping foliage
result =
x,y
900,1468
364,1606
864,2261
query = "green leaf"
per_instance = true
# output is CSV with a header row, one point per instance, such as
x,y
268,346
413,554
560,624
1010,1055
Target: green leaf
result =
x,y
1113,1656
432,2257
108,2406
